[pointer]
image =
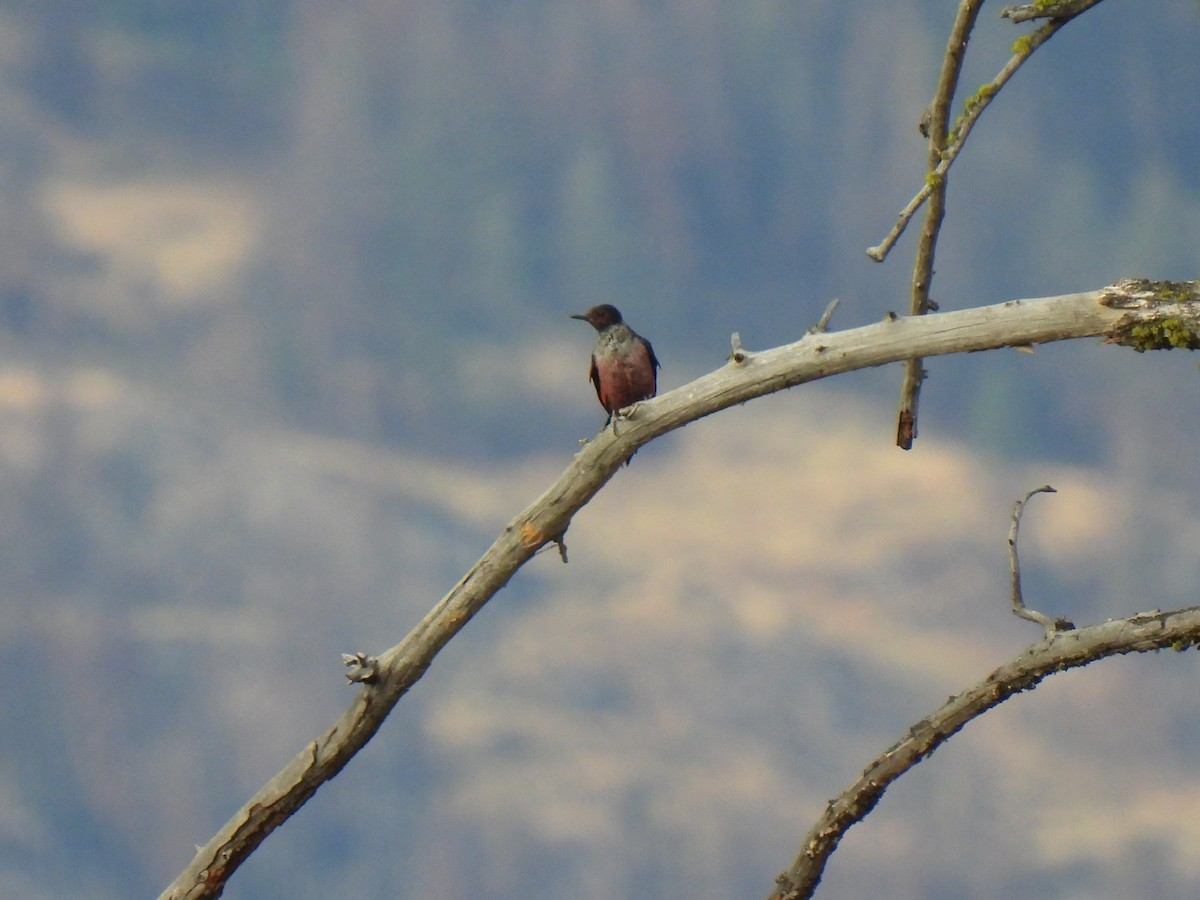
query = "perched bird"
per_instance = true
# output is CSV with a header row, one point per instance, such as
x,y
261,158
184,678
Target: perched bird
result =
x,y
624,367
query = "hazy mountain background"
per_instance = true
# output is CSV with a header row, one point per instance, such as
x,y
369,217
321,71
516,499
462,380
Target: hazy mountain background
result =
x,y
284,342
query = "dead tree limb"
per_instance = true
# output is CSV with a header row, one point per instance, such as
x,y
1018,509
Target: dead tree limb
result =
x,y
1142,314
1176,630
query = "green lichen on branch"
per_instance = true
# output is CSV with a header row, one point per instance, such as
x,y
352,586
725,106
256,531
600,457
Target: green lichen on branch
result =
x,y
1023,45
1167,334
982,95
1047,9
1142,293
1191,642
1163,316
1168,291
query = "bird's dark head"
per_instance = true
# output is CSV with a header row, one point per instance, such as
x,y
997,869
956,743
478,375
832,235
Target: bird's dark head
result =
x,y
600,317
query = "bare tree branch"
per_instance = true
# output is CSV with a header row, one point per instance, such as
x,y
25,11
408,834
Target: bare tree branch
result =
x,y
1177,630
938,128
1141,314
944,146
1047,9
972,109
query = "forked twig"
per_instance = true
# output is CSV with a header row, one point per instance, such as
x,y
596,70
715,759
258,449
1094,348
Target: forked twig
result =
x,y
944,146
973,108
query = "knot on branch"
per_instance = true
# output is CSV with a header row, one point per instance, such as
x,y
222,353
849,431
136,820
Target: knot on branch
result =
x,y
739,354
363,668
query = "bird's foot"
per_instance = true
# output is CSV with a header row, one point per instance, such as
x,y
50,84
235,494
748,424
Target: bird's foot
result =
x,y
627,412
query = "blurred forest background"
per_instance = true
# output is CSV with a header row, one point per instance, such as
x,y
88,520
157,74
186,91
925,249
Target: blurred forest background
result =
x,y
284,289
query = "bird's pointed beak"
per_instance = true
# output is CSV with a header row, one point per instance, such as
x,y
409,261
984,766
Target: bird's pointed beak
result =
x,y
582,316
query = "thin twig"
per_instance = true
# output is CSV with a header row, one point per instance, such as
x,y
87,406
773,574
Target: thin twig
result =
x,y
1050,626
822,324
1065,9
972,110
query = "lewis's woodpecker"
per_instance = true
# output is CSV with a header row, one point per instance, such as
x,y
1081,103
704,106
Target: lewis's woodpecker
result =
x,y
624,367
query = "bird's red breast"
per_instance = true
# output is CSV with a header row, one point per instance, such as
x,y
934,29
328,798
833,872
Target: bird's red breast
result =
x,y
624,378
